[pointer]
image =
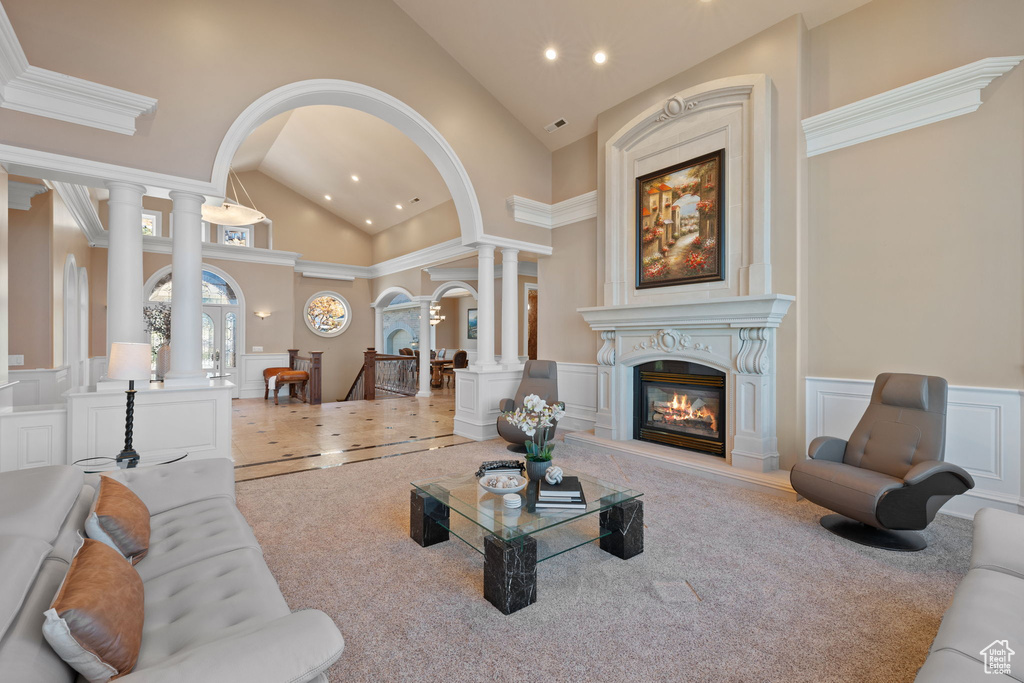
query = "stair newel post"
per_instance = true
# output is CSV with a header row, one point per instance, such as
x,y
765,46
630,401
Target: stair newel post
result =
x,y
370,374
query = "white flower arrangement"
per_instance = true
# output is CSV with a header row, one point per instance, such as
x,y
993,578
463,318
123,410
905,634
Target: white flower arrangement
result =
x,y
536,418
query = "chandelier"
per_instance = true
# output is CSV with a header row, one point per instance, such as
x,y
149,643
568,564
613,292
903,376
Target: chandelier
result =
x,y
233,213
435,314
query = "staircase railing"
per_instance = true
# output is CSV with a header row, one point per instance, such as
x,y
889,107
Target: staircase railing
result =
x,y
312,364
383,372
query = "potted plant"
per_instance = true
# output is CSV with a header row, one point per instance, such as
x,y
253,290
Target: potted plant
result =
x,y
157,318
537,420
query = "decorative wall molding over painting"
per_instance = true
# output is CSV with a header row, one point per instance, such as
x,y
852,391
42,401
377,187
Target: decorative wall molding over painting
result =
x,y
983,435
949,94
19,195
550,216
47,93
526,268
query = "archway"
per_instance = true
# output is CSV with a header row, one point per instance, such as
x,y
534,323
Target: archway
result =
x,y
397,338
372,101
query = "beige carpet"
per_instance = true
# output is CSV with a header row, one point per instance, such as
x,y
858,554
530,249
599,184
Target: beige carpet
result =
x,y
734,585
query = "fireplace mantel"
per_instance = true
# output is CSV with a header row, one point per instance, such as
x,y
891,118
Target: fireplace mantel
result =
x,y
766,310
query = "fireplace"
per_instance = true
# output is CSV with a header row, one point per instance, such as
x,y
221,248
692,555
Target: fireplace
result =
x,y
681,404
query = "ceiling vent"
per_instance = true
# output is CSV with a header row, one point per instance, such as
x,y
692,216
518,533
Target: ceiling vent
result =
x,y
414,200
555,125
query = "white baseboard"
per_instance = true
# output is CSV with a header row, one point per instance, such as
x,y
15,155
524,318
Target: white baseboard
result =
x,y
251,371
983,435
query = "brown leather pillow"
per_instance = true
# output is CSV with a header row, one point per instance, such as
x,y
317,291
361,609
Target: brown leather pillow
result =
x,y
119,519
292,375
95,622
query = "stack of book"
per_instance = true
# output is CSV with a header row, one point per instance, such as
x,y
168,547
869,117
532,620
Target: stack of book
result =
x,y
566,495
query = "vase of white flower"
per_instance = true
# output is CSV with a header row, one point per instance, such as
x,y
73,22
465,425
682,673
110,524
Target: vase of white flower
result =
x,y
537,420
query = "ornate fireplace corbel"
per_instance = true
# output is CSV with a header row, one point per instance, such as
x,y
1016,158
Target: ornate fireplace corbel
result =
x,y
752,358
606,354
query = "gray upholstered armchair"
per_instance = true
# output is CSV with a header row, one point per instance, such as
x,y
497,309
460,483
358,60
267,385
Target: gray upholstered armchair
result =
x,y
889,478
539,377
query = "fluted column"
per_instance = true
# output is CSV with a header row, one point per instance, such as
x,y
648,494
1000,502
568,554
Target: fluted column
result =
x,y
187,290
424,347
510,306
485,305
124,264
378,328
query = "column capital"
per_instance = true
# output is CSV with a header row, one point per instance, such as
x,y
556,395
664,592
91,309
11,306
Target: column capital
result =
x,y
186,198
125,189
485,251
510,253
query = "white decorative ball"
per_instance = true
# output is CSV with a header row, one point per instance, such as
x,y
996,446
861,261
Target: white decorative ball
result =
x,y
553,475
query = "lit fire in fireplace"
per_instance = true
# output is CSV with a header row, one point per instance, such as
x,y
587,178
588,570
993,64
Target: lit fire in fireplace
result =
x,y
685,413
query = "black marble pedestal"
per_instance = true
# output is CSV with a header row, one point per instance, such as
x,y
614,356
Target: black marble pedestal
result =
x,y
424,514
625,521
510,573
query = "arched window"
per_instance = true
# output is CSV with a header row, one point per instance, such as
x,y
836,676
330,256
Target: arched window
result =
x,y
216,290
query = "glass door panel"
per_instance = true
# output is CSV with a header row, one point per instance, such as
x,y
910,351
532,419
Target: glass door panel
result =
x,y
211,352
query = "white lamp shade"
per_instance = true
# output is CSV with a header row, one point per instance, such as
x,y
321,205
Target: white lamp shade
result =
x,y
129,361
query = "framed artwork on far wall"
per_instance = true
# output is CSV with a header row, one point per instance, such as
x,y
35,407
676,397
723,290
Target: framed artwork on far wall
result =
x,y
680,223
236,236
471,324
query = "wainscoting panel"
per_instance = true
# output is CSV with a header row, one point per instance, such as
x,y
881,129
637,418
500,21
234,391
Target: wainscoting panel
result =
x,y
33,438
41,386
253,365
983,435
577,387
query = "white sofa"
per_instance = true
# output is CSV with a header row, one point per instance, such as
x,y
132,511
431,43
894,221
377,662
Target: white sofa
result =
x,y
213,612
987,609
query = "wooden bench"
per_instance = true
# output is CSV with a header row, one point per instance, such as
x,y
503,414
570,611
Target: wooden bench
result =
x,y
284,376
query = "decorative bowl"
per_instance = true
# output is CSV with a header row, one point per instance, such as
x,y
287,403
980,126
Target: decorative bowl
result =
x,y
523,481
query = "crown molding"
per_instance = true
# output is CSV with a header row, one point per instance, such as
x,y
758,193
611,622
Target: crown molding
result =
x,y
331,271
79,203
526,268
424,257
42,92
551,216
944,96
509,243
19,195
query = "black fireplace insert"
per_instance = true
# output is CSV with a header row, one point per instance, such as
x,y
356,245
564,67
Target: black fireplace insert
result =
x,y
681,404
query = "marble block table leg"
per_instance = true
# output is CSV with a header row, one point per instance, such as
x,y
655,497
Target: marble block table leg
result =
x,y
424,513
625,521
510,573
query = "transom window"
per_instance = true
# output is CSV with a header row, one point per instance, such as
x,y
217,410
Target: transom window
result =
x,y
215,290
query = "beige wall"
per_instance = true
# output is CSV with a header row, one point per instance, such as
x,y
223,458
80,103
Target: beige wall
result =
x,y
31,280
446,334
374,43
916,230
306,227
431,227
343,355
574,169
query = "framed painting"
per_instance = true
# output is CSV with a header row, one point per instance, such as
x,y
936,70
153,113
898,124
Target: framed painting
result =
x,y
236,236
680,223
471,324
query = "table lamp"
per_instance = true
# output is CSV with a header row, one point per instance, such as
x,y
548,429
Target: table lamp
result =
x,y
129,361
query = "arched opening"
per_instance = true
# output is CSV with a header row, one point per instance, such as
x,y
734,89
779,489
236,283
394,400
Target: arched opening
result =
x,y
371,101
223,324
397,339
71,339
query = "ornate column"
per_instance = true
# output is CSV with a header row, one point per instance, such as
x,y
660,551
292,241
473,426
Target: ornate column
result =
x,y
510,306
378,328
755,445
124,264
424,391
485,305
187,290
604,426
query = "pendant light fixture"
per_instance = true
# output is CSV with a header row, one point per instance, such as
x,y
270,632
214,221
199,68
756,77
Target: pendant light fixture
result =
x,y
233,213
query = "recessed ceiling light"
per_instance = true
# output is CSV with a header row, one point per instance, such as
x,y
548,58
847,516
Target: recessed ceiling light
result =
x,y
551,53
398,206
355,178
600,57
327,197
369,222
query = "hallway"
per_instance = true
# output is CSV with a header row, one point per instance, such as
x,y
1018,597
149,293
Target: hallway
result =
x,y
269,440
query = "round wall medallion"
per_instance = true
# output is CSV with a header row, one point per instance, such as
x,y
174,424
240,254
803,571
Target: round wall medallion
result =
x,y
327,314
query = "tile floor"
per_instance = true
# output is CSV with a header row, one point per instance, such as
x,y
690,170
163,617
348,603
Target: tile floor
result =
x,y
269,440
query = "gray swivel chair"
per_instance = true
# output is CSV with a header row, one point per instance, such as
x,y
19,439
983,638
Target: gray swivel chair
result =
x,y
889,478
539,377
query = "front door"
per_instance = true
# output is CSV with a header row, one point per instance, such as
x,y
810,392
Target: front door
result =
x,y
220,352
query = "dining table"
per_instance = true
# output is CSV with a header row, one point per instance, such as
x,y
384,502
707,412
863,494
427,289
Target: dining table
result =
x,y
436,365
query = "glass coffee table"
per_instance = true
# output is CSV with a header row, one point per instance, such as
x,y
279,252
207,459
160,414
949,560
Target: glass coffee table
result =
x,y
513,541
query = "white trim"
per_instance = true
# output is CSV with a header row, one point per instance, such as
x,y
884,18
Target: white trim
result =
x,y
250,370
385,298
19,195
508,243
47,93
423,257
372,101
983,435
79,203
944,96
333,295
215,250
331,271
527,268
551,216
452,284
